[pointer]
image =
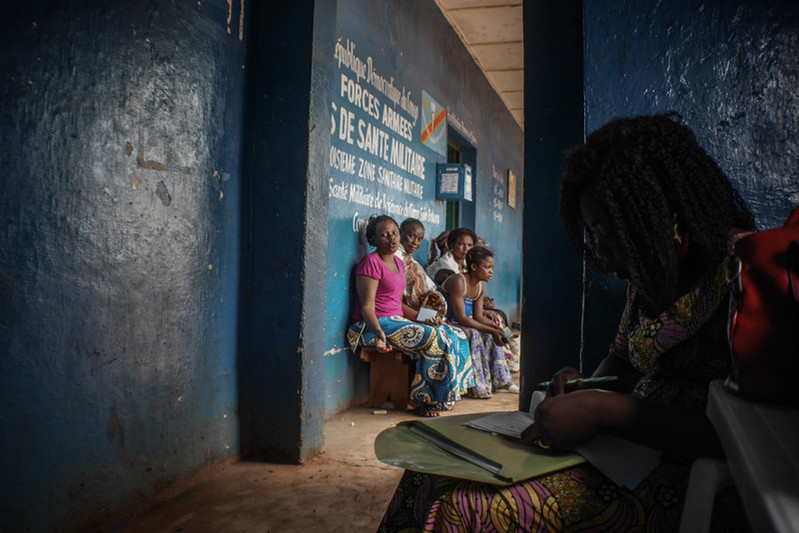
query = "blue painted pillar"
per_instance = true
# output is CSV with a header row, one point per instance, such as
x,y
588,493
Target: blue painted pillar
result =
x,y
284,236
553,62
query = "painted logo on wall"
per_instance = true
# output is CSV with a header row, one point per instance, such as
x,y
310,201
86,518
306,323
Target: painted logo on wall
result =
x,y
434,125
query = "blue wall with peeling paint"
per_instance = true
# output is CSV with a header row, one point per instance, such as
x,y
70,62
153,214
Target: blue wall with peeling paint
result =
x,y
553,63
281,385
730,69
119,253
164,238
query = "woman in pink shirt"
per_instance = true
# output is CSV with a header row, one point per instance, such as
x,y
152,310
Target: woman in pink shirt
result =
x,y
441,354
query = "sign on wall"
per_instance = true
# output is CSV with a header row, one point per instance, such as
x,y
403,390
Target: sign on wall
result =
x,y
454,181
374,161
434,125
377,161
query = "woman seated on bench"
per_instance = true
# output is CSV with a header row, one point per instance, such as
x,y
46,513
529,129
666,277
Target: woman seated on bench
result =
x,y
459,241
465,294
440,354
420,290
643,202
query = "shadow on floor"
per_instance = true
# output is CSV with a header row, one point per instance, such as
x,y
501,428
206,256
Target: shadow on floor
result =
x,y
344,489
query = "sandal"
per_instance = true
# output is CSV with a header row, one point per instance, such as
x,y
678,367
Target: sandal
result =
x,y
426,411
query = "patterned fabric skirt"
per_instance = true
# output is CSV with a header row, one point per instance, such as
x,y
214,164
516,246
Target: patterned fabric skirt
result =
x,y
575,499
443,366
491,370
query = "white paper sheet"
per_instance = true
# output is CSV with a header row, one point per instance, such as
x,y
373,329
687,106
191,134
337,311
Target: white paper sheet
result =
x,y
625,462
509,423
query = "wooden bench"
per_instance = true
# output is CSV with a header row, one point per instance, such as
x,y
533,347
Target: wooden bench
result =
x,y
389,378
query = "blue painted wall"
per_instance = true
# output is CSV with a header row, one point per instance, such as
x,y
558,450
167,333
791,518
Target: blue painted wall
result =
x,y
119,253
730,69
553,102
166,215
284,220
410,46
140,197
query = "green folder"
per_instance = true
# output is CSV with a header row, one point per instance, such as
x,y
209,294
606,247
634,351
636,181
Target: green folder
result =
x,y
446,447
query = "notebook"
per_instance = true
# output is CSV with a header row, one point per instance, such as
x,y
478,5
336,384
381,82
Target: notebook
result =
x,y
447,447
625,462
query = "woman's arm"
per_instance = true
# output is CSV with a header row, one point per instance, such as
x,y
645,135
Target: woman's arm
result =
x,y
570,419
456,287
367,290
478,313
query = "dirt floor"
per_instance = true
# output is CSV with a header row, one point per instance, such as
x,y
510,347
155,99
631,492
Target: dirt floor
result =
x,y
344,489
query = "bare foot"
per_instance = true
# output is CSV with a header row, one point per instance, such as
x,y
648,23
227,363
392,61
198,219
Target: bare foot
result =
x,y
426,411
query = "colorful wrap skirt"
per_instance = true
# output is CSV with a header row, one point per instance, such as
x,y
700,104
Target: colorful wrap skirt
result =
x,y
576,499
443,366
491,372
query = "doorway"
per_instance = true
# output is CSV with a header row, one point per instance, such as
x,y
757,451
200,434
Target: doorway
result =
x,y
459,150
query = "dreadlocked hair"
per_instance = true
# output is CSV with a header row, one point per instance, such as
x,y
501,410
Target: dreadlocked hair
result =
x,y
646,170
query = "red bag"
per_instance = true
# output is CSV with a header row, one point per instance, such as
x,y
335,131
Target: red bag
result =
x,y
763,327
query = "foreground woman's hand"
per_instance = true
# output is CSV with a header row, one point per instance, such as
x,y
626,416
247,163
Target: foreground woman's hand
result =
x,y
566,420
557,385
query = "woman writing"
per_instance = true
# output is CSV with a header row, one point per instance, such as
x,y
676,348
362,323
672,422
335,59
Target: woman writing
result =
x,y
657,212
441,357
466,294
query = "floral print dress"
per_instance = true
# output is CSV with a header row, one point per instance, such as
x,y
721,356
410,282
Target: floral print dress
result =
x,y
678,353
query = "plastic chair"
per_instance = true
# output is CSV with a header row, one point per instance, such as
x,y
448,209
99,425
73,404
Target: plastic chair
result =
x,y
708,477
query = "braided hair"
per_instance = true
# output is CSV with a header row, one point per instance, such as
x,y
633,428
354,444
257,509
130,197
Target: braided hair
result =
x,y
647,170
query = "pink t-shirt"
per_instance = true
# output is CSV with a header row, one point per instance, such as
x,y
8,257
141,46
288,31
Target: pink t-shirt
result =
x,y
388,299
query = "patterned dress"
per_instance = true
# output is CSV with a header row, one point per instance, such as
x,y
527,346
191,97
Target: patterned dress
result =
x,y
678,352
442,364
491,371
418,285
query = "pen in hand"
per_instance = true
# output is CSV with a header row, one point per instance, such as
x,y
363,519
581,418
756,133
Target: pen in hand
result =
x,y
600,379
